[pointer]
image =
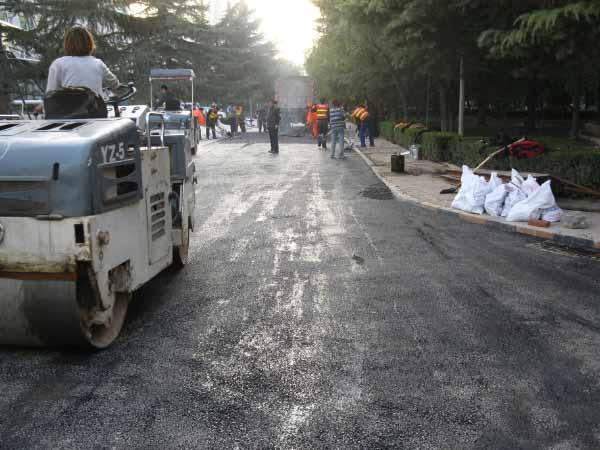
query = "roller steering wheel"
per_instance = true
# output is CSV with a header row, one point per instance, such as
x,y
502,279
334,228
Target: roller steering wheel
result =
x,y
122,93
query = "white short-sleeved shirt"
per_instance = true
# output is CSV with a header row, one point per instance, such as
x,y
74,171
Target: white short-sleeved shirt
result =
x,y
80,71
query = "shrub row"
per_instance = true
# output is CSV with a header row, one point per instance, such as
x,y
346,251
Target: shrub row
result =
x,y
581,166
437,146
387,130
401,136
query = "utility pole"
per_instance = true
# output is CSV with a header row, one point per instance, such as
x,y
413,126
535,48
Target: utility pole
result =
x,y
461,100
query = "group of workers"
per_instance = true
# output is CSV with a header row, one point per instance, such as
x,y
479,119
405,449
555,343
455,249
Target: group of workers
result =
x,y
235,114
319,118
235,117
80,68
208,119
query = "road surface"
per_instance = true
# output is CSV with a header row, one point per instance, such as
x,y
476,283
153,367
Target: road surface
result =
x,y
319,312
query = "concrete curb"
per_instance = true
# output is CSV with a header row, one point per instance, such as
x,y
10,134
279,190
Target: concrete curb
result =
x,y
492,222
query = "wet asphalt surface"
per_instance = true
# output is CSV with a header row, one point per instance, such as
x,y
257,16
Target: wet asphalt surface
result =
x,y
318,312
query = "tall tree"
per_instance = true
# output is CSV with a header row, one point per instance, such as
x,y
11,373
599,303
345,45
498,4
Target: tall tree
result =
x,y
512,52
242,66
565,36
232,60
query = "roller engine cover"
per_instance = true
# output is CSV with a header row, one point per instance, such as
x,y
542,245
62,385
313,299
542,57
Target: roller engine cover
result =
x,y
67,168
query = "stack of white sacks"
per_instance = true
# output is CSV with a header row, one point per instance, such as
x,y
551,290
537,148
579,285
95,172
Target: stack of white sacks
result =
x,y
517,201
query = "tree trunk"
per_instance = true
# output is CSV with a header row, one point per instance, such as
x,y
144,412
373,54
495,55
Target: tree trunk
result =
x,y
404,102
482,108
4,104
428,101
395,112
576,120
452,113
532,101
482,115
542,111
401,95
443,107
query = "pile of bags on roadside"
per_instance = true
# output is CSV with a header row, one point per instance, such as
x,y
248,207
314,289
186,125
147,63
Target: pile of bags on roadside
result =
x,y
518,201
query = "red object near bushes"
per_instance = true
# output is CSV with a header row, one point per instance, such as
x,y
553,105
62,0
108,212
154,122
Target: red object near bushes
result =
x,y
526,149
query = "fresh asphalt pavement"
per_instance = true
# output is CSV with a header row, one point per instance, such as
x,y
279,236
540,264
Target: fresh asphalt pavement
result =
x,y
319,312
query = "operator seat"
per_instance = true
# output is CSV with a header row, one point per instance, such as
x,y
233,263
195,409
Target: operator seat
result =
x,y
74,103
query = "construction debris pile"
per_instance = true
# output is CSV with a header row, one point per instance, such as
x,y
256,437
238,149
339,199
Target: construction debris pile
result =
x,y
519,200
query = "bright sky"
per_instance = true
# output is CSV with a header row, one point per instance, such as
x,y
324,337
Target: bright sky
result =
x,y
290,24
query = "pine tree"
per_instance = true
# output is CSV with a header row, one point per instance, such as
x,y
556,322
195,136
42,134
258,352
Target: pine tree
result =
x,y
232,60
243,64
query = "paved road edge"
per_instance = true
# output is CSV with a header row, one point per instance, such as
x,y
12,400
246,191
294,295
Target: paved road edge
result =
x,y
541,233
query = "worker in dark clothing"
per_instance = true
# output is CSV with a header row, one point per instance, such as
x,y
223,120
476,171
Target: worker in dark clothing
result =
x,y
322,114
262,119
231,119
167,100
372,125
273,120
211,121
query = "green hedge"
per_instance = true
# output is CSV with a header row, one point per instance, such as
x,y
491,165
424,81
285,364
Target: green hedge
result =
x,y
581,166
400,136
437,146
387,130
408,136
578,166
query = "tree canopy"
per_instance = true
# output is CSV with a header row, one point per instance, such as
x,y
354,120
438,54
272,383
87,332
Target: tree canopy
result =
x,y
231,58
527,55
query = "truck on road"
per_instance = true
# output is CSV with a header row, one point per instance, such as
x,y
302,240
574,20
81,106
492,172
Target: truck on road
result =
x,y
293,94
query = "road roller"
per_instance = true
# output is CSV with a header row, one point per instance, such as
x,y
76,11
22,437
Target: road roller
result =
x,y
182,128
90,210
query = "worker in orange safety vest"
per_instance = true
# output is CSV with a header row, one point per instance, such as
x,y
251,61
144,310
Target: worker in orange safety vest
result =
x,y
361,116
200,119
199,115
321,110
311,119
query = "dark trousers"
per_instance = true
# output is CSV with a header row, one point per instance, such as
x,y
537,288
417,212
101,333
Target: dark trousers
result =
x,y
323,128
234,125
274,137
262,126
211,127
242,123
366,128
372,132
